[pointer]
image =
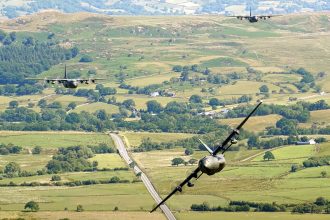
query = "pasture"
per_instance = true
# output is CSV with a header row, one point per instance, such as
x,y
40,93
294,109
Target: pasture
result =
x,y
87,215
53,139
252,180
135,138
248,216
255,124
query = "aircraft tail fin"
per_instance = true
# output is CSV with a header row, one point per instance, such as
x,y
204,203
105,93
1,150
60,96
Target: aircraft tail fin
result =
x,y
206,147
65,74
250,12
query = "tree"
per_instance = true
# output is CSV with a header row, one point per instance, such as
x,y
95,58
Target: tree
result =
x,y
12,36
32,205
189,151
214,102
86,59
56,178
116,208
253,142
13,104
114,179
294,168
323,174
42,103
320,201
264,89
12,169
129,103
95,164
192,161
80,208
177,161
195,99
269,156
72,105
36,150
154,106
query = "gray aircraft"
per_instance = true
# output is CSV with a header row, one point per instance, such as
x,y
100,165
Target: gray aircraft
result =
x,y
213,163
69,83
254,18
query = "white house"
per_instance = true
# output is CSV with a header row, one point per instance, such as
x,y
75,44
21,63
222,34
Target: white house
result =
x,y
310,142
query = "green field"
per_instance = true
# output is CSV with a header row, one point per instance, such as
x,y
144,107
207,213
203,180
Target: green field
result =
x,y
253,180
110,109
135,138
53,139
124,196
87,215
319,118
248,216
255,124
142,51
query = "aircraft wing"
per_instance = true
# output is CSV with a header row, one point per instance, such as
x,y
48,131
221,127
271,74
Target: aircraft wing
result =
x,y
239,17
179,187
89,80
235,132
267,16
48,80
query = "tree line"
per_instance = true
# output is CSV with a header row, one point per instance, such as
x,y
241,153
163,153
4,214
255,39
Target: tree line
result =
x,y
320,205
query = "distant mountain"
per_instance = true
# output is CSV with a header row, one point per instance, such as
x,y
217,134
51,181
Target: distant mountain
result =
x,y
15,8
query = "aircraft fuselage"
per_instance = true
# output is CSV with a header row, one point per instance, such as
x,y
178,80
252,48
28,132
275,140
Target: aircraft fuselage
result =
x,y
212,164
72,84
253,19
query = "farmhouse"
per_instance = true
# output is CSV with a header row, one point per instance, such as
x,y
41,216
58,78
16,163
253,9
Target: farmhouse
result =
x,y
310,142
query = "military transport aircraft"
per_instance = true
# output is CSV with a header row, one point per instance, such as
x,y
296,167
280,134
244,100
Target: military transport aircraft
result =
x,y
254,18
68,83
213,163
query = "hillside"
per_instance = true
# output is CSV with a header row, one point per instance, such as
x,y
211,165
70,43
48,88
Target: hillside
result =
x,y
168,80
17,8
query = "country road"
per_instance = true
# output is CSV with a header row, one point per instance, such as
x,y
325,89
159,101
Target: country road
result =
x,y
123,153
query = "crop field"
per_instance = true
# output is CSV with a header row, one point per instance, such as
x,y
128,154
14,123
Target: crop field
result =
x,y
135,138
255,124
253,180
53,139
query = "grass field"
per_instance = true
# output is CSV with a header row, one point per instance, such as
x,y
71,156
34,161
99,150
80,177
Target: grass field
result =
x,y
146,56
135,138
109,161
255,124
87,215
53,139
26,161
125,196
252,180
248,216
91,108
319,118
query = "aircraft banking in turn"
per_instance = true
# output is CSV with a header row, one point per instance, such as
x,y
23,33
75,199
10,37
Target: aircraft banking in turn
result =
x,y
254,18
213,163
69,83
